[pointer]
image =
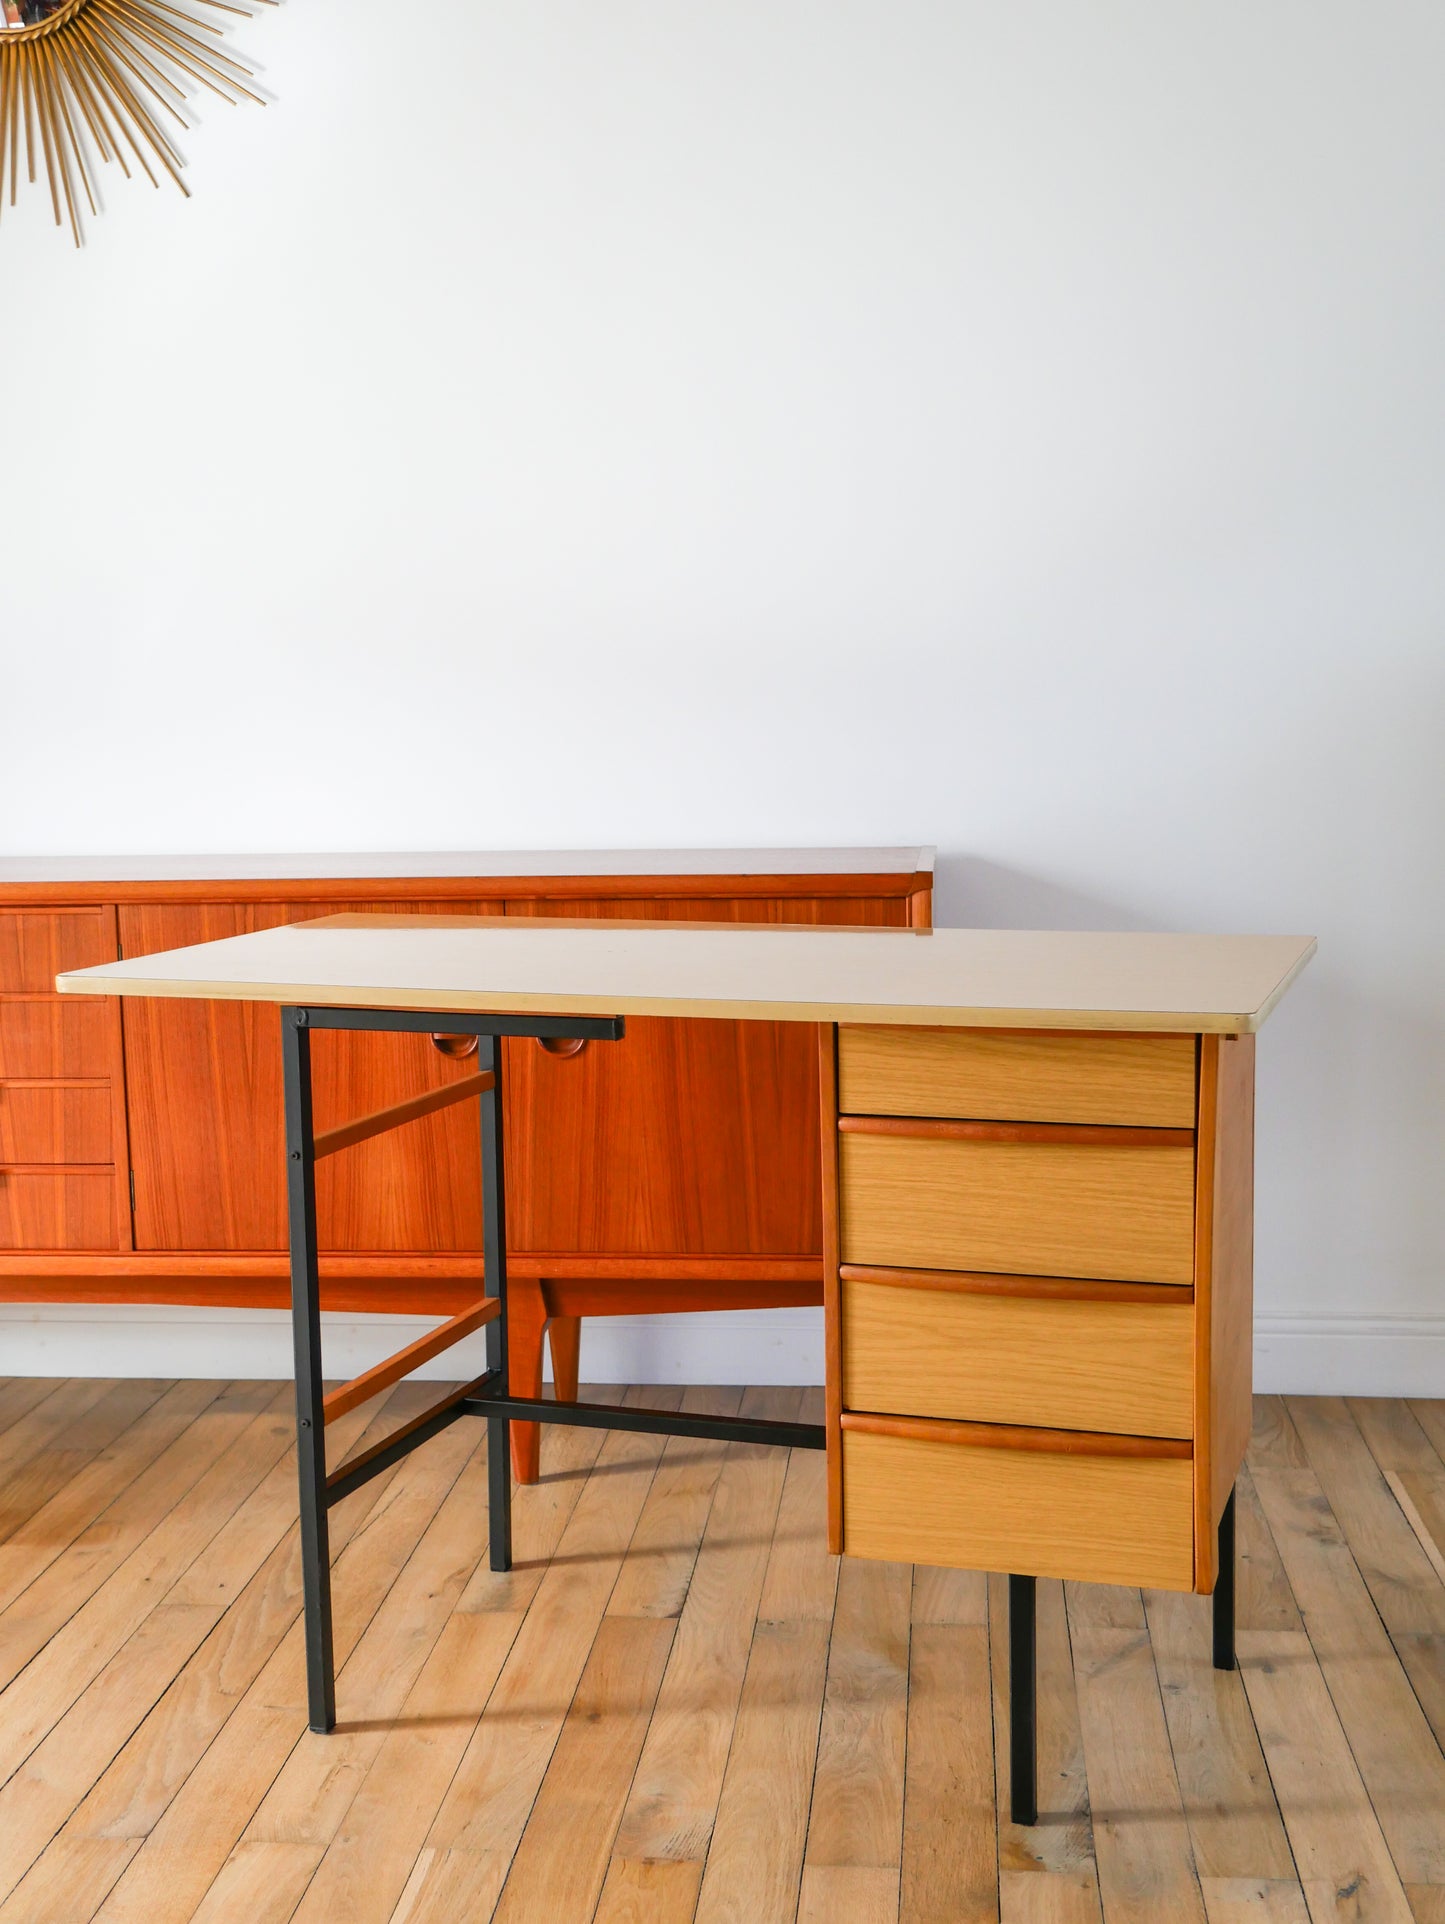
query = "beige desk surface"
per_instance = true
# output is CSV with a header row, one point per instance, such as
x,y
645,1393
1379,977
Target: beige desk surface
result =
x,y
956,978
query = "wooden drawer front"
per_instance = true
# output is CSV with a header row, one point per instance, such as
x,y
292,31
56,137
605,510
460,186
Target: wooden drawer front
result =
x,y
57,1209
1099,1519
1146,1081
55,1122
56,1036
1024,1208
1057,1364
35,948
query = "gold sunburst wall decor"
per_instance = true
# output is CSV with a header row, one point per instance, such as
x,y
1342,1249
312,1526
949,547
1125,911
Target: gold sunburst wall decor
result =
x,y
81,79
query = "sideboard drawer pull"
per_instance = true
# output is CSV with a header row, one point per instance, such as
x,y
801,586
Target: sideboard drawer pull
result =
x,y
562,1045
455,1045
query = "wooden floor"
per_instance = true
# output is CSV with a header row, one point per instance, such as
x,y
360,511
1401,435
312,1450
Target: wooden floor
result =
x,y
677,1706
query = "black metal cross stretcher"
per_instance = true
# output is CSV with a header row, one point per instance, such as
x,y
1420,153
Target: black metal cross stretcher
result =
x,y
488,1395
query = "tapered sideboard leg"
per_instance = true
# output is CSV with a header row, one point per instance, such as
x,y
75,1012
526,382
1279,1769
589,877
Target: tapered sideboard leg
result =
x,y
1023,1709
1224,1592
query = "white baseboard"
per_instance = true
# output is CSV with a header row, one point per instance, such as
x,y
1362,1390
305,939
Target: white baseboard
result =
x,y
1306,1355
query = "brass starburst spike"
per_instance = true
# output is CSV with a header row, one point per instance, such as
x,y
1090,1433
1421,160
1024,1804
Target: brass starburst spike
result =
x,y
87,79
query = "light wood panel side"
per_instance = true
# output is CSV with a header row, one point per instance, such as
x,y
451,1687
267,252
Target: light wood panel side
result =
x,y
1063,1209
1144,1081
1099,1519
1224,1287
1000,1359
832,1310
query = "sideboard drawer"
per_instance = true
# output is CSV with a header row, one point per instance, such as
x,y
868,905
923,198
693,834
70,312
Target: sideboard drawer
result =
x,y
928,1498
57,1208
1143,1081
1033,1208
55,1122
35,948
1057,1363
57,1036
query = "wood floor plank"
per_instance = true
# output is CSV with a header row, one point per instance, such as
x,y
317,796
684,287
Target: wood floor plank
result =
x,y
1141,1838
315,1787
1393,1746
1427,1902
373,1533
1263,1599
69,1881
801,1578
1429,1413
1061,1844
1393,1434
1422,1499
950,1833
19,1395
47,1426
1049,1897
75,1655
366,1865
856,1820
1340,1854
1234,1823
846,1894
1401,1577
485,1811
674,1796
48,1471
41,1537
561,1862
950,1596
263,1883
1254,1900
647,1890
755,1860
127,1529
133,1792
664,1545
1274,1443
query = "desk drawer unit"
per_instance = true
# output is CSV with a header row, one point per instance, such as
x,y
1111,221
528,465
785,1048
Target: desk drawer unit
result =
x,y
1025,1235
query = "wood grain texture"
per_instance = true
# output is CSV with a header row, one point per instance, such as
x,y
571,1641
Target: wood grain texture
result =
x,y
173,1779
832,1295
36,946
1143,1080
55,1122
1105,1519
58,1207
1030,1440
1124,1215
1224,1282
1001,1359
44,1035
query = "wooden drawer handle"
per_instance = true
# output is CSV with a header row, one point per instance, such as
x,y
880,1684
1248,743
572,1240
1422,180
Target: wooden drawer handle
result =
x,y
1099,1135
1004,1436
455,1045
562,1045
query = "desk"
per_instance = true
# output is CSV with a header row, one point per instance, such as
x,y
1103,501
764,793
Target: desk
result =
x,y
1037,1175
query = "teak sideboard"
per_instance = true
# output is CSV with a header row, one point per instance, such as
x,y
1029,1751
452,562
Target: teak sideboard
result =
x,y
141,1147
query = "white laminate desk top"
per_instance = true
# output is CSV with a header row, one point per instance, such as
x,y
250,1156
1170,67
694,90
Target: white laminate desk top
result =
x,y
955,978
491,864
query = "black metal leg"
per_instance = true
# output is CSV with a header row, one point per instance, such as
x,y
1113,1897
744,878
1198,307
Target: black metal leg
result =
x,y
1023,1709
494,1251
306,1338
1224,1592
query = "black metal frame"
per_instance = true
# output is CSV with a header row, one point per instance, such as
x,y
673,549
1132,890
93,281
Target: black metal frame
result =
x,y
488,1396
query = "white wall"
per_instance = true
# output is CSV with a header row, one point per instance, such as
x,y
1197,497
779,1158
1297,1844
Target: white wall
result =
x,y
1015,426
